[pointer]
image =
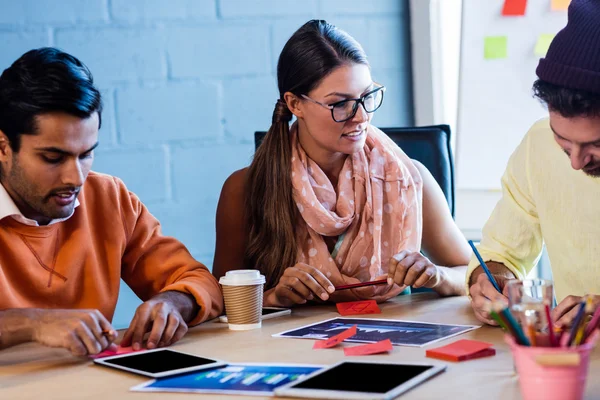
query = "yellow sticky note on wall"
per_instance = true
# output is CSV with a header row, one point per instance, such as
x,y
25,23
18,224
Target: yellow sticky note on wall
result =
x,y
560,5
543,44
495,47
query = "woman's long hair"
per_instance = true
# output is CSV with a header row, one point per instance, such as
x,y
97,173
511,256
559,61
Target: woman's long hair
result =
x,y
312,53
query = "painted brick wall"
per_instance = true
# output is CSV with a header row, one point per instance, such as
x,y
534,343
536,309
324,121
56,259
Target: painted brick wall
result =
x,y
187,82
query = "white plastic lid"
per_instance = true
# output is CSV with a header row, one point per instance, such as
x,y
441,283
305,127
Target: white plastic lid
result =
x,y
242,277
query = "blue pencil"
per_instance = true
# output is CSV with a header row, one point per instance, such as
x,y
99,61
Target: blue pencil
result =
x,y
485,268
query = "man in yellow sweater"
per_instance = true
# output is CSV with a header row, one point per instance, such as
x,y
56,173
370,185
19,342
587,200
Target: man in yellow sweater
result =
x,y
551,187
68,235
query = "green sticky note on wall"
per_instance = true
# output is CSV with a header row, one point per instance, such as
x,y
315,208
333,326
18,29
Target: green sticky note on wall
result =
x,y
495,47
543,44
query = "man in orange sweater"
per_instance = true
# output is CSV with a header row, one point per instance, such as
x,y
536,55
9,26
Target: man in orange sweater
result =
x,y
68,235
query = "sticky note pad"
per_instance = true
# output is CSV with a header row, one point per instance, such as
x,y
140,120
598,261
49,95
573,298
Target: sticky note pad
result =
x,y
560,5
496,47
514,7
358,307
543,44
462,350
382,346
114,350
335,340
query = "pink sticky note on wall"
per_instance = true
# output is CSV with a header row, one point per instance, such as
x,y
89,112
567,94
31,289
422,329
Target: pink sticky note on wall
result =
x,y
514,8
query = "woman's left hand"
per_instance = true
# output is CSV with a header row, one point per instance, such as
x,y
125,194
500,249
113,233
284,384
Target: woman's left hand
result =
x,y
413,269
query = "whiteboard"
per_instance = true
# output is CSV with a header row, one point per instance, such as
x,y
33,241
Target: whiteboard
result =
x,y
495,103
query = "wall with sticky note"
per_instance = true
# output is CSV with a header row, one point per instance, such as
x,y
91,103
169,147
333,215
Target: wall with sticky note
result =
x,y
502,42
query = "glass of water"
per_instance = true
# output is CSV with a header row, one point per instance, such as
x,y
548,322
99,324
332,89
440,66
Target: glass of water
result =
x,y
527,300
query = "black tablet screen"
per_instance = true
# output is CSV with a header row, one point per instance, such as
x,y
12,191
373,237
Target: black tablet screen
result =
x,y
159,361
357,377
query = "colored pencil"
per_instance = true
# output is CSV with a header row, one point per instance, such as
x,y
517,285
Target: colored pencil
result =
x,y
513,325
593,323
484,267
361,284
550,327
576,322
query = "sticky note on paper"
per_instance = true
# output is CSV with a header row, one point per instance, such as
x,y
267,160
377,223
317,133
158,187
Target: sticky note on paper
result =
x,y
543,44
514,7
495,47
358,307
560,5
382,346
462,350
335,340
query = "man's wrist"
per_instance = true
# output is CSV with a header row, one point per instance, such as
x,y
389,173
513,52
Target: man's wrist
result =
x,y
19,325
183,302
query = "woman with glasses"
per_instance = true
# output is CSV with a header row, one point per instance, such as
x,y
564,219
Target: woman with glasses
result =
x,y
331,200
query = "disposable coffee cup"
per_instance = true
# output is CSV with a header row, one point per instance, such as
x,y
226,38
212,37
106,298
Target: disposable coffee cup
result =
x,y
243,294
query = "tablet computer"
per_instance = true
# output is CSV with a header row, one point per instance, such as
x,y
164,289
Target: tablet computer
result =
x,y
267,313
360,380
158,363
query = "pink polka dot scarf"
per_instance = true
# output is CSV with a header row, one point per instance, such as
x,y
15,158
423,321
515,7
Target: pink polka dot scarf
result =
x,y
376,209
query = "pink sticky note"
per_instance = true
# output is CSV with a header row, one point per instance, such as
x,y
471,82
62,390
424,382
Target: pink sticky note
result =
x,y
372,348
358,307
113,351
462,350
335,340
514,7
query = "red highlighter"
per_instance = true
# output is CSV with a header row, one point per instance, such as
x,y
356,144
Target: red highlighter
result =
x,y
361,284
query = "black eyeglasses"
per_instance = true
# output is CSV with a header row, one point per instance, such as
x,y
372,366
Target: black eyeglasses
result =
x,y
344,110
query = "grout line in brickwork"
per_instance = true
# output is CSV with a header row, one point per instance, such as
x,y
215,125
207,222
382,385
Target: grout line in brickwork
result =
x,y
169,173
218,9
51,37
117,131
109,10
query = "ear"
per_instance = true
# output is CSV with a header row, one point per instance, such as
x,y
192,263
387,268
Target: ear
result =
x,y
5,149
294,104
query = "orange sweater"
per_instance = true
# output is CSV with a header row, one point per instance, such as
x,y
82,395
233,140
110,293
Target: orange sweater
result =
x,y
78,263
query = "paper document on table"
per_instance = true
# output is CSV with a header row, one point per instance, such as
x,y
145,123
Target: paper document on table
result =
x,y
400,333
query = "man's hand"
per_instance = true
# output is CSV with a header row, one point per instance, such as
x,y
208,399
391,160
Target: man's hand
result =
x,y
165,316
483,292
564,313
83,332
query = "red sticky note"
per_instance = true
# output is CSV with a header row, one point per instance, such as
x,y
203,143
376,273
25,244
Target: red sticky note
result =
x,y
114,350
462,350
514,7
371,348
358,307
335,340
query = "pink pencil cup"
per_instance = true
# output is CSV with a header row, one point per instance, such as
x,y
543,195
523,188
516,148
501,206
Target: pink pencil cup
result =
x,y
551,373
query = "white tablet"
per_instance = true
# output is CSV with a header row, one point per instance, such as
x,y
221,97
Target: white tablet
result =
x,y
360,380
159,363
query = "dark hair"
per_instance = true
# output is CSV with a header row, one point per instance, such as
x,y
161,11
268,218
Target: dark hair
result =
x,y
41,81
567,102
313,52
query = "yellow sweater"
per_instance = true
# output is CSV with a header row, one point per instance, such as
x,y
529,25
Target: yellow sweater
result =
x,y
544,200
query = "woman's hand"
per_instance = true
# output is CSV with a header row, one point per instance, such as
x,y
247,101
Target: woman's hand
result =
x,y
297,285
413,269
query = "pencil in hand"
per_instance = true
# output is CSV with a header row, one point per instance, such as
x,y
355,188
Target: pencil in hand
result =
x,y
484,267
